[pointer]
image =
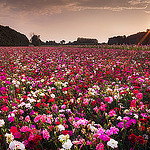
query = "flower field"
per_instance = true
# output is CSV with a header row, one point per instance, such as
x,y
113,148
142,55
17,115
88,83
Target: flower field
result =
x,y
61,98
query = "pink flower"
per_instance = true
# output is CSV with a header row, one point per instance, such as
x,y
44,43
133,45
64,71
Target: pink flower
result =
x,y
54,108
139,96
43,118
75,124
27,118
112,113
37,118
46,134
133,103
70,119
63,106
96,109
88,143
85,101
109,132
25,129
103,106
108,99
100,146
100,131
31,136
114,130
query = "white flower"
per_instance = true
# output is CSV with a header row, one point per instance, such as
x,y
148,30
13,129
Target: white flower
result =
x,y
21,104
63,137
67,144
42,80
126,111
61,110
16,145
65,92
42,94
115,96
14,81
2,122
61,127
9,137
18,82
17,86
112,143
92,128
31,100
23,80
28,105
136,116
119,118
53,95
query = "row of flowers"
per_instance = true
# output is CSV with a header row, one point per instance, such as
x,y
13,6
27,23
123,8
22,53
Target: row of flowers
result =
x,y
74,98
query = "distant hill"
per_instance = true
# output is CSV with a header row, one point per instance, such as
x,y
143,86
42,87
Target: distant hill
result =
x,y
10,37
132,39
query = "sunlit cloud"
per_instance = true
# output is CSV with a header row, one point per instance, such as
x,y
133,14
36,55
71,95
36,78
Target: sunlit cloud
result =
x,y
148,12
50,7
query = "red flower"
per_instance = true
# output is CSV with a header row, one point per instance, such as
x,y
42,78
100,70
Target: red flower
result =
x,y
17,90
13,130
135,91
65,132
43,100
143,120
38,104
57,123
132,138
48,112
51,100
5,108
93,103
116,108
50,128
25,97
37,138
141,140
142,128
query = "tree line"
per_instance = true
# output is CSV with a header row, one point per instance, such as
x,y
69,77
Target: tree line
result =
x,y
36,41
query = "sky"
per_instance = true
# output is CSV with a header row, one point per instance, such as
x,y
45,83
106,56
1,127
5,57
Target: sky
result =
x,y
70,19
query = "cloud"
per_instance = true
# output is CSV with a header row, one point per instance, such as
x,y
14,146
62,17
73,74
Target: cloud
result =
x,y
49,7
139,2
148,12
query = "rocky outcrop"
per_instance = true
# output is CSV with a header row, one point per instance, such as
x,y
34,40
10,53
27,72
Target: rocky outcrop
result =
x,y
10,37
132,39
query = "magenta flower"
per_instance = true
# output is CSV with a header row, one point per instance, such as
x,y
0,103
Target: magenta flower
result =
x,y
104,137
121,125
11,119
17,135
